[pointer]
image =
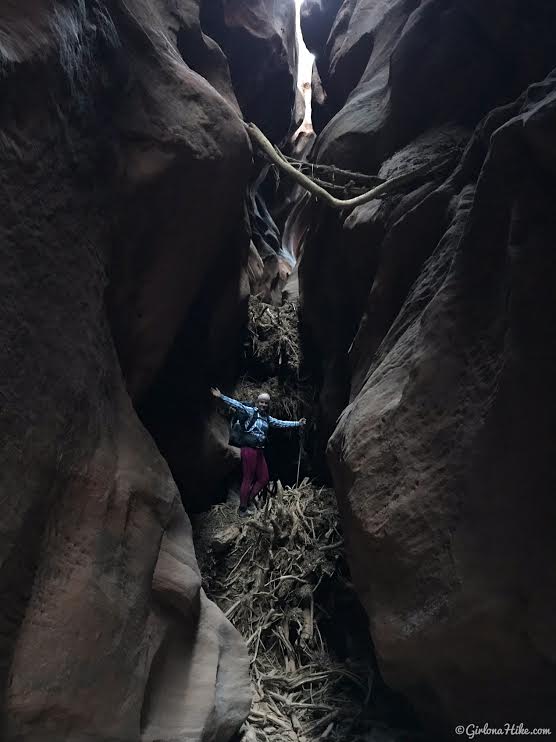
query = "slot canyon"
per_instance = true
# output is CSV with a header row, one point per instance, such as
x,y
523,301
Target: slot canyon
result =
x,y
396,583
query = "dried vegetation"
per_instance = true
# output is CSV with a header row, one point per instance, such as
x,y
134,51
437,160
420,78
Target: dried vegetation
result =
x,y
281,579
272,360
272,345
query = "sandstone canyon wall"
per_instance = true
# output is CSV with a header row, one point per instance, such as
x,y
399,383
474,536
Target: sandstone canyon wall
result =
x,y
430,317
258,38
124,165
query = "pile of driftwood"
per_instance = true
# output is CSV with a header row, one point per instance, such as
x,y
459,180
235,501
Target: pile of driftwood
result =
x,y
272,361
276,577
272,342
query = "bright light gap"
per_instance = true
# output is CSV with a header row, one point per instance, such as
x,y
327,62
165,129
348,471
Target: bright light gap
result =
x,y
305,66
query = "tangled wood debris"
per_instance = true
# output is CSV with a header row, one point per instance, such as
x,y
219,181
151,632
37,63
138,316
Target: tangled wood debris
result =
x,y
282,579
273,338
278,577
272,360
289,400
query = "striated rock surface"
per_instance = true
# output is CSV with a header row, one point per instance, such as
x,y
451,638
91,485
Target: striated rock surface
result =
x,y
428,315
258,38
121,211
442,457
389,110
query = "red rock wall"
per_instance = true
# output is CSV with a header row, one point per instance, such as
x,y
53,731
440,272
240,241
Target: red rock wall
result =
x,y
428,315
123,170
258,38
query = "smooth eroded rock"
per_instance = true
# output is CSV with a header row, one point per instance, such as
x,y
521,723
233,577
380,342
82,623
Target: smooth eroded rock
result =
x,y
259,41
441,460
119,206
426,316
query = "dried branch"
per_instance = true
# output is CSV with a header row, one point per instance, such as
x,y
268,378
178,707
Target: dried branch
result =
x,y
286,550
386,188
334,172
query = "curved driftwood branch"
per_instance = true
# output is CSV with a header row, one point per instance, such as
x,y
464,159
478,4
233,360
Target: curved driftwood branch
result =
x,y
387,187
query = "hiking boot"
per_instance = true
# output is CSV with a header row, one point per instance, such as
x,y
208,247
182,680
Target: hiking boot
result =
x,y
242,511
251,509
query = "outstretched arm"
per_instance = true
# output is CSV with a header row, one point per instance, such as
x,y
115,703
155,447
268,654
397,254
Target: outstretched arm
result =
x,y
231,402
275,423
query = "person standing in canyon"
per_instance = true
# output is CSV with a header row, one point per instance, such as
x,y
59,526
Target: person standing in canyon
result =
x,y
251,436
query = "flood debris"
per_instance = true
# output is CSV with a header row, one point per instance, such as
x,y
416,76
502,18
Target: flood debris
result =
x,y
289,401
273,363
280,578
272,345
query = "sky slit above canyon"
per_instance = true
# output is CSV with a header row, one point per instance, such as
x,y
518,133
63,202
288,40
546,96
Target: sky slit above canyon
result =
x,y
304,68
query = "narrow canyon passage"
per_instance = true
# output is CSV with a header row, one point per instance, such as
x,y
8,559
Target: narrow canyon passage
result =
x,y
281,576
397,584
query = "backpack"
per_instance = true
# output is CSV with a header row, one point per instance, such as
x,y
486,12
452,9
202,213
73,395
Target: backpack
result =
x,y
240,432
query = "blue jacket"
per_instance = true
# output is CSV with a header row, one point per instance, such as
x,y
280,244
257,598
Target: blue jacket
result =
x,y
262,422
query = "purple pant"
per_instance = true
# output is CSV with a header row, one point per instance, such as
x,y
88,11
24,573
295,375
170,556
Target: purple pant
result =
x,y
255,474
